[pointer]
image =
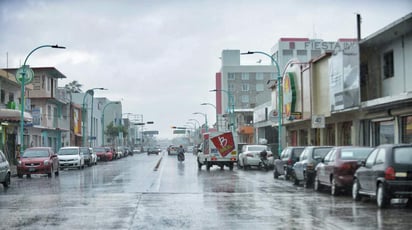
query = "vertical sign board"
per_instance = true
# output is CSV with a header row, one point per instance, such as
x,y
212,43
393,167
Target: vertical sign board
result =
x,y
206,143
344,76
318,121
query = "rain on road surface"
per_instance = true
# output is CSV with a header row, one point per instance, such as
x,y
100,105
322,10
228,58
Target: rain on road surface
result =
x,y
130,194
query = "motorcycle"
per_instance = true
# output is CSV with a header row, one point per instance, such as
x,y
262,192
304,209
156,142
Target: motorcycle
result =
x,y
180,156
264,162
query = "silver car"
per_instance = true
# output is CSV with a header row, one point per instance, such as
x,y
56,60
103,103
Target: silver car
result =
x,y
250,156
4,170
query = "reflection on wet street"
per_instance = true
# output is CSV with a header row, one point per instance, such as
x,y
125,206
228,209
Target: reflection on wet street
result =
x,y
129,194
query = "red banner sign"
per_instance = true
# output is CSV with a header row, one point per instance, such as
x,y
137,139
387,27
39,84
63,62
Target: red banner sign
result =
x,y
224,143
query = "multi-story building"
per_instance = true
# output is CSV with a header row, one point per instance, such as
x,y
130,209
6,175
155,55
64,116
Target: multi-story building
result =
x,y
10,113
357,95
239,89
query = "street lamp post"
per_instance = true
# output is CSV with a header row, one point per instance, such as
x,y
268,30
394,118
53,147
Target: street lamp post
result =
x,y
104,108
217,121
91,92
231,100
205,115
279,83
23,74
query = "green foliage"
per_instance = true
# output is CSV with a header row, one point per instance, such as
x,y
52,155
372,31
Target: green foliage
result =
x,y
113,131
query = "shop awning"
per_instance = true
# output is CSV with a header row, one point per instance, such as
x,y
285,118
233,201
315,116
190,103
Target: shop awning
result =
x,y
14,115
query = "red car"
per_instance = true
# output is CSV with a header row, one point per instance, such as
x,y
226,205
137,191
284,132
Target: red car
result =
x,y
109,154
102,154
338,167
38,160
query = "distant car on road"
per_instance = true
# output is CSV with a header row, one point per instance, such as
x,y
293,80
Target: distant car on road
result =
x,y
337,168
153,150
385,174
5,172
38,160
172,150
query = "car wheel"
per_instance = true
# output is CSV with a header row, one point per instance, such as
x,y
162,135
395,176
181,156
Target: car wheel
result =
x,y
316,184
306,180
296,181
6,182
19,175
208,166
355,190
231,167
28,175
334,189
382,200
245,167
275,174
239,166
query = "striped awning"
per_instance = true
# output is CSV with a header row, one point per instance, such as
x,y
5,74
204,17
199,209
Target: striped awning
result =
x,y
14,115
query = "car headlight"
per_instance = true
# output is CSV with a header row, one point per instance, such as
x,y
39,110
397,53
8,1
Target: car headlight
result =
x,y
19,163
46,162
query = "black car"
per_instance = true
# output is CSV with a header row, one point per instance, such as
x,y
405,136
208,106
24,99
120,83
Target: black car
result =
x,y
284,165
385,174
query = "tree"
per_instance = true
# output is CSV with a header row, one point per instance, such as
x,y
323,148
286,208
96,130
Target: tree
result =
x,y
113,131
74,87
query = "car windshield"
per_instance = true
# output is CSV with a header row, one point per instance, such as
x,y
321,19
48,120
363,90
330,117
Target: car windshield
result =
x,y
99,150
68,152
355,154
35,153
257,148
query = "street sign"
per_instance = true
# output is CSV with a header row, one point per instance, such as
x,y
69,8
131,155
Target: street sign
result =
x,y
26,72
179,131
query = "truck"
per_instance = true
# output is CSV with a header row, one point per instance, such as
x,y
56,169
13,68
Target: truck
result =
x,y
217,148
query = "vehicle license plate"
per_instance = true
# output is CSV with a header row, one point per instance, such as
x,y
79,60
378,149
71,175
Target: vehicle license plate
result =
x,y
32,169
401,174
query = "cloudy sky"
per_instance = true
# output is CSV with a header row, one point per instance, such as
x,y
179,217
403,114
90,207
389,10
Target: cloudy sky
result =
x,y
159,57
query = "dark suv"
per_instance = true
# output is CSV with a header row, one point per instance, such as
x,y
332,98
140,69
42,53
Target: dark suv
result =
x,y
288,157
385,174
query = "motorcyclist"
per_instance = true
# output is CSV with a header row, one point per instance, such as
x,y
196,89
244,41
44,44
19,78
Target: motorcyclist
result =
x,y
181,152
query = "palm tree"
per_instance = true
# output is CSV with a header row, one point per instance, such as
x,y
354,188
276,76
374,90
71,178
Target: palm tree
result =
x,y
74,87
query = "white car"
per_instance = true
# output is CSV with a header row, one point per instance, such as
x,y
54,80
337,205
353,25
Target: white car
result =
x,y
4,170
70,157
250,156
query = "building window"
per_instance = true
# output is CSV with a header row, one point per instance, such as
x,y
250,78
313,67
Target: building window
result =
x,y
406,129
384,132
245,76
245,98
11,97
245,87
49,112
2,96
231,76
388,70
302,52
260,87
259,76
231,87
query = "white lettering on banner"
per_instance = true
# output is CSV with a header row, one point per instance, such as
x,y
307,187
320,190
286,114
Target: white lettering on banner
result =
x,y
223,141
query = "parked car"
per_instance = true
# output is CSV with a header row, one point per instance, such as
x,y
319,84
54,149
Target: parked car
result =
x,y
100,153
337,168
284,165
109,154
87,155
119,153
5,172
385,174
70,157
304,169
38,160
250,156
94,156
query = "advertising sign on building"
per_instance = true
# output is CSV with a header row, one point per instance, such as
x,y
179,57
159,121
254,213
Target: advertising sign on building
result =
x,y
344,77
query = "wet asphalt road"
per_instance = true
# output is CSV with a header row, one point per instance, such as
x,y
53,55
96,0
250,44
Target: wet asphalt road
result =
x,y
131,194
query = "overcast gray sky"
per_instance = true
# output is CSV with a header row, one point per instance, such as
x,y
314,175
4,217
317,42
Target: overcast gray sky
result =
x,y
160,57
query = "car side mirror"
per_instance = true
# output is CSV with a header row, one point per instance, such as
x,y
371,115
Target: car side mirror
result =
x,y
363,163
